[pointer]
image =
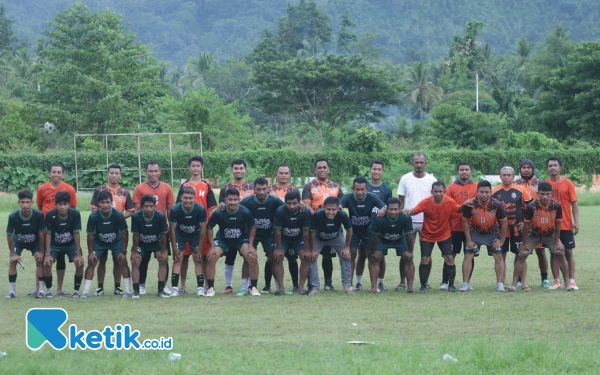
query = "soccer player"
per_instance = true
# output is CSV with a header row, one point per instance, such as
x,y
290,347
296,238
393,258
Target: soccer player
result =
x,y
292,224
460,190
362,206
149,230
413,188
437,210
63,225
314,194
26,231
164,200
122,202
236,228
393,231
484,223
205,197
107,230
238,169
530,182
563,191
326,230
543,219
188,231
45,202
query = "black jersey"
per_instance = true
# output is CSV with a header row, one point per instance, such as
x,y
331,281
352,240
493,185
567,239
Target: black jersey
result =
x,y
187,223
233,226
291,223
326,229
263,213
150,230
25,231
62,229
383,191
392,231
362,212
107,229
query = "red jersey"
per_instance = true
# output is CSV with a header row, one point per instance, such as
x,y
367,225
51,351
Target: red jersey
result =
x,y
543,220
280,191
162,193
564,192
460,193
513,199
436,218
120,196
246,189
204,194
45,196
315,192
485,218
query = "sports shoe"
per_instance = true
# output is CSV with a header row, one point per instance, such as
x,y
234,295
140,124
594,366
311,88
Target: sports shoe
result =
x,y
266,290
573,284
424,289
75,294
570,288
526,288
451,288
136,295
519,284
279,293
99,292
358,287
329,288
295,290
400,287
162,294
500,287
126,295
167,290
174,292
546,284
62,293
443,286
83,295
303,292
465,287
314,292
200,291
555,285
254,291
182,291
512,288
32,294
242,292
227,290
382,287
210,292
142,289
288,293
118,291
10,295
350,290
48,295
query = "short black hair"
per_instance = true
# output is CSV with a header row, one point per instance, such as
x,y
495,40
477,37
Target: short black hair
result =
x,y
438,183
418,154
238,162
331,200
104,195
147,198
359,180
196,158
149,163
62,167
554,158
25,194
114,166
261,181
62,197
320,160
394,201
459,164
232,191
284,165
291,195
376,162
484,183
544,186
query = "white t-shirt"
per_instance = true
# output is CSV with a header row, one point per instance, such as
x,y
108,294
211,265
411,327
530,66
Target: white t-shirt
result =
x,y
414,190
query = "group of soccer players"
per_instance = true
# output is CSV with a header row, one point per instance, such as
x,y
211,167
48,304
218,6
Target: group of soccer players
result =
x,y
520,216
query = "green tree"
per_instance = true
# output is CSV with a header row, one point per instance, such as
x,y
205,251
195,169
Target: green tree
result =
x,y
303,22
420,90
7,37
196,69
345,36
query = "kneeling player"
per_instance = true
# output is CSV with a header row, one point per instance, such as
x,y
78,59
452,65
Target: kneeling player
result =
x,y
393,231
107,230
25,231
63,225
149,229
542,222
187,227
235,226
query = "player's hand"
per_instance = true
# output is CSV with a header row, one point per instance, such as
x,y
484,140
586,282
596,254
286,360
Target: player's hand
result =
x,y
39,258
222,206
469,202
92,259
407,255
279,254
48,261
523,248
471,245
575,228
313,256
176,256
122,258
301,206
376,256
197,256
406,211
559,245
497,244
212,254
136,258
381,212
15,258
79,261
252,252
346,253
162,256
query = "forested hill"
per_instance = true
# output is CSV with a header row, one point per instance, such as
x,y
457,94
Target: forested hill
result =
x,y
409,30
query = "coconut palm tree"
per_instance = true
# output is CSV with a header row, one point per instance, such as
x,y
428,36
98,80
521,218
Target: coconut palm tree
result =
x,y
420,90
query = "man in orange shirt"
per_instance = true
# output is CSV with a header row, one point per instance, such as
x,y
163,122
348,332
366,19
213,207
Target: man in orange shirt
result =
x,y
437,210
563,191
163,194
45,202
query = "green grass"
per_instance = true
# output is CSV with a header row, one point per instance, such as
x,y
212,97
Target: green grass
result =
x,y
549,332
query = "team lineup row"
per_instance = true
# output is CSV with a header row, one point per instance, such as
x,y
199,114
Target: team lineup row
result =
x,y
520,216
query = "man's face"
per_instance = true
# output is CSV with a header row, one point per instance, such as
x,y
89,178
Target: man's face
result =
x,y
25,204
526,171
114,176
393,210
507,177
438,193
187,200
464,173
483,194
292,205
195,168
376,171
56,175
419,164
283,175
331,210
261,191
554,168
322,170
105,206
148,208
238,171
153,173
232,202
544,197
360,190
63,208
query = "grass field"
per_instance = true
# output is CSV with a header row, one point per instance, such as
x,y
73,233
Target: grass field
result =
x,y
549,332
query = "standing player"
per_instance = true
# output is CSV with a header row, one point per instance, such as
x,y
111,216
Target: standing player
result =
x,y
530,182
362,206
393,231
262,206
188,231
326,230
205,197
437,210
107,230
26,231
63,225
238,169
149,230
384,192
413,188
563,191
163,201
122,202
292,225
484,224
542,225
45,202
314,194
460,190
236,228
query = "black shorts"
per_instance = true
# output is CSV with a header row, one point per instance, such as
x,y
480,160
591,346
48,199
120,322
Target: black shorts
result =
x,y
513,244
568,239
427,247
458,242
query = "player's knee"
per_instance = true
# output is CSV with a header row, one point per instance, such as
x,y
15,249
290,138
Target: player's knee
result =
x,y
425,260
449,259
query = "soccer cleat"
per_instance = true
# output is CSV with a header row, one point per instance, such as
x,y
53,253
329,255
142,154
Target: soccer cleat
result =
x,y
443,286
570,288
400,287
295,290
242,292
200,291
314,292
500,287
303,292
83,295
573,285
424,289
266,290
142,289
162,294
254,291
136,295
382,287
167,290
75,294
99,292
118,291
288,293
210,292
48,295
451,288
126,295
227,290
279,293
512,288
465,287
62,293
10,295
546,284
182,291
32,294
526,288
358,287
329,288
174,292
555,285
350,290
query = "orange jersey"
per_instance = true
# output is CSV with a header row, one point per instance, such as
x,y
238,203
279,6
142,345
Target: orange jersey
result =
x,y
485,218
120,196
513,199
543,220
564,192
246,189
315,192
436,218
204,194
280,191
460,193
45,196
530,185
162,193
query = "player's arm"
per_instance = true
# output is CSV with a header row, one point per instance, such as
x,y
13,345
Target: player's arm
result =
x,y
202,238
77,238
39,256
39,199
467,230
11,247
410,241
277,238
306,236
575,210
251,236
94,202
374,240
307,198
311,240
401,198
125,235
90,246
525,236
129,206
173,236
73,198
503,230
10,230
